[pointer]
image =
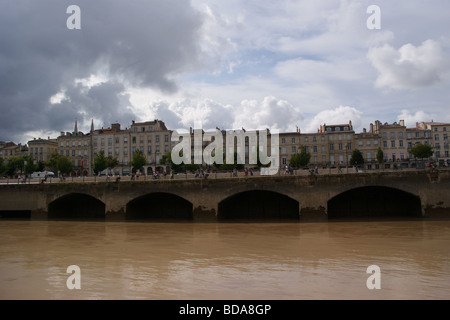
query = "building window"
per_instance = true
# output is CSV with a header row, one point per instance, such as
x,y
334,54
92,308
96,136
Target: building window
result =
x,y
133,140
393,143
166,138
384,144
294,149
157,138
400,142
340,146
331,146
283,140
436,137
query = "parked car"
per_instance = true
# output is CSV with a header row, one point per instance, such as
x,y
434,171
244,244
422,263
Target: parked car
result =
x,y
42,174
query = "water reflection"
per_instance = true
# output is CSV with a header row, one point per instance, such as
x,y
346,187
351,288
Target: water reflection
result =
x,y
133,260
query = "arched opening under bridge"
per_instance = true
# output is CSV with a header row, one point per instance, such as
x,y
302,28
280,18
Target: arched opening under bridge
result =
x,y
259,205
76,206
159,206
374,202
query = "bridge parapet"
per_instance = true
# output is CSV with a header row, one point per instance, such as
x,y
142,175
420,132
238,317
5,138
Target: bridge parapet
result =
x,y
312,192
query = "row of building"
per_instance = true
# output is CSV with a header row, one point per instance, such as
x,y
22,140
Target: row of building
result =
x,y
330,146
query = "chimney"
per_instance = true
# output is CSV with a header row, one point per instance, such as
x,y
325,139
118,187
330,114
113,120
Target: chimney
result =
x,y
402,123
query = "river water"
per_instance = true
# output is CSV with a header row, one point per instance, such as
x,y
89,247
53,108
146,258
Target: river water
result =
x,y
290,261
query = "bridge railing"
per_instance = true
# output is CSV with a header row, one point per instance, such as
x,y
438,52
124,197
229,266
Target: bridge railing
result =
x,y
212,175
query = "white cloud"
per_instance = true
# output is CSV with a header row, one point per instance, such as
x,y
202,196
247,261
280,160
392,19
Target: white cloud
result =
x,y
339,115
269,113
412,118
409,67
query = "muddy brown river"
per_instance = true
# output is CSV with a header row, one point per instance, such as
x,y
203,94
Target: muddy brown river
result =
x,y
293,261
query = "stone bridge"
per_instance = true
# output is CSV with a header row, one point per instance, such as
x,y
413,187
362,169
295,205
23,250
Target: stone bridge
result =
x,y
271,198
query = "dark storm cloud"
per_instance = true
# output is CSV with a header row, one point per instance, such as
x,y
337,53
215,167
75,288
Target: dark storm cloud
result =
x,y
141,42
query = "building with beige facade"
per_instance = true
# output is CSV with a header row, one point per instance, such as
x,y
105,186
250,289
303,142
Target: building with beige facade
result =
x,y
40,150
330,146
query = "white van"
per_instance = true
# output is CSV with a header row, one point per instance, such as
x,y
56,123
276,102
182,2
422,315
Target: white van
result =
x,y
43,174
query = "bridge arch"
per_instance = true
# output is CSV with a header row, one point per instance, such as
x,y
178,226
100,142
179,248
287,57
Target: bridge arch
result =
x,y
159,206
374,202
261,205
76,206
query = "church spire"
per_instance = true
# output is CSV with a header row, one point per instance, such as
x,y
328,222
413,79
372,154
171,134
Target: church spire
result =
x,y
92,126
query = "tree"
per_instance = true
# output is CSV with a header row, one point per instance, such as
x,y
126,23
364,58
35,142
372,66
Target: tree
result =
x,y
380,155
356,158
22,164
2,166
111,162
52,162
138,160
64,165
422,151
299,160
100,163
29,165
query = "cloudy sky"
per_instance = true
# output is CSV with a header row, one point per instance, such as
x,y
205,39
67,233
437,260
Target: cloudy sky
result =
x,y
228,64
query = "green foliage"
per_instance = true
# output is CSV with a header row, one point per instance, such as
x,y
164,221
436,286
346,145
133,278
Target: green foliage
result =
x,y
138,159
111,162
58,163
167,159
64,165
100,162
52,162
422,151
356,158
29,165
299,160
380,155
20,164
2,166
